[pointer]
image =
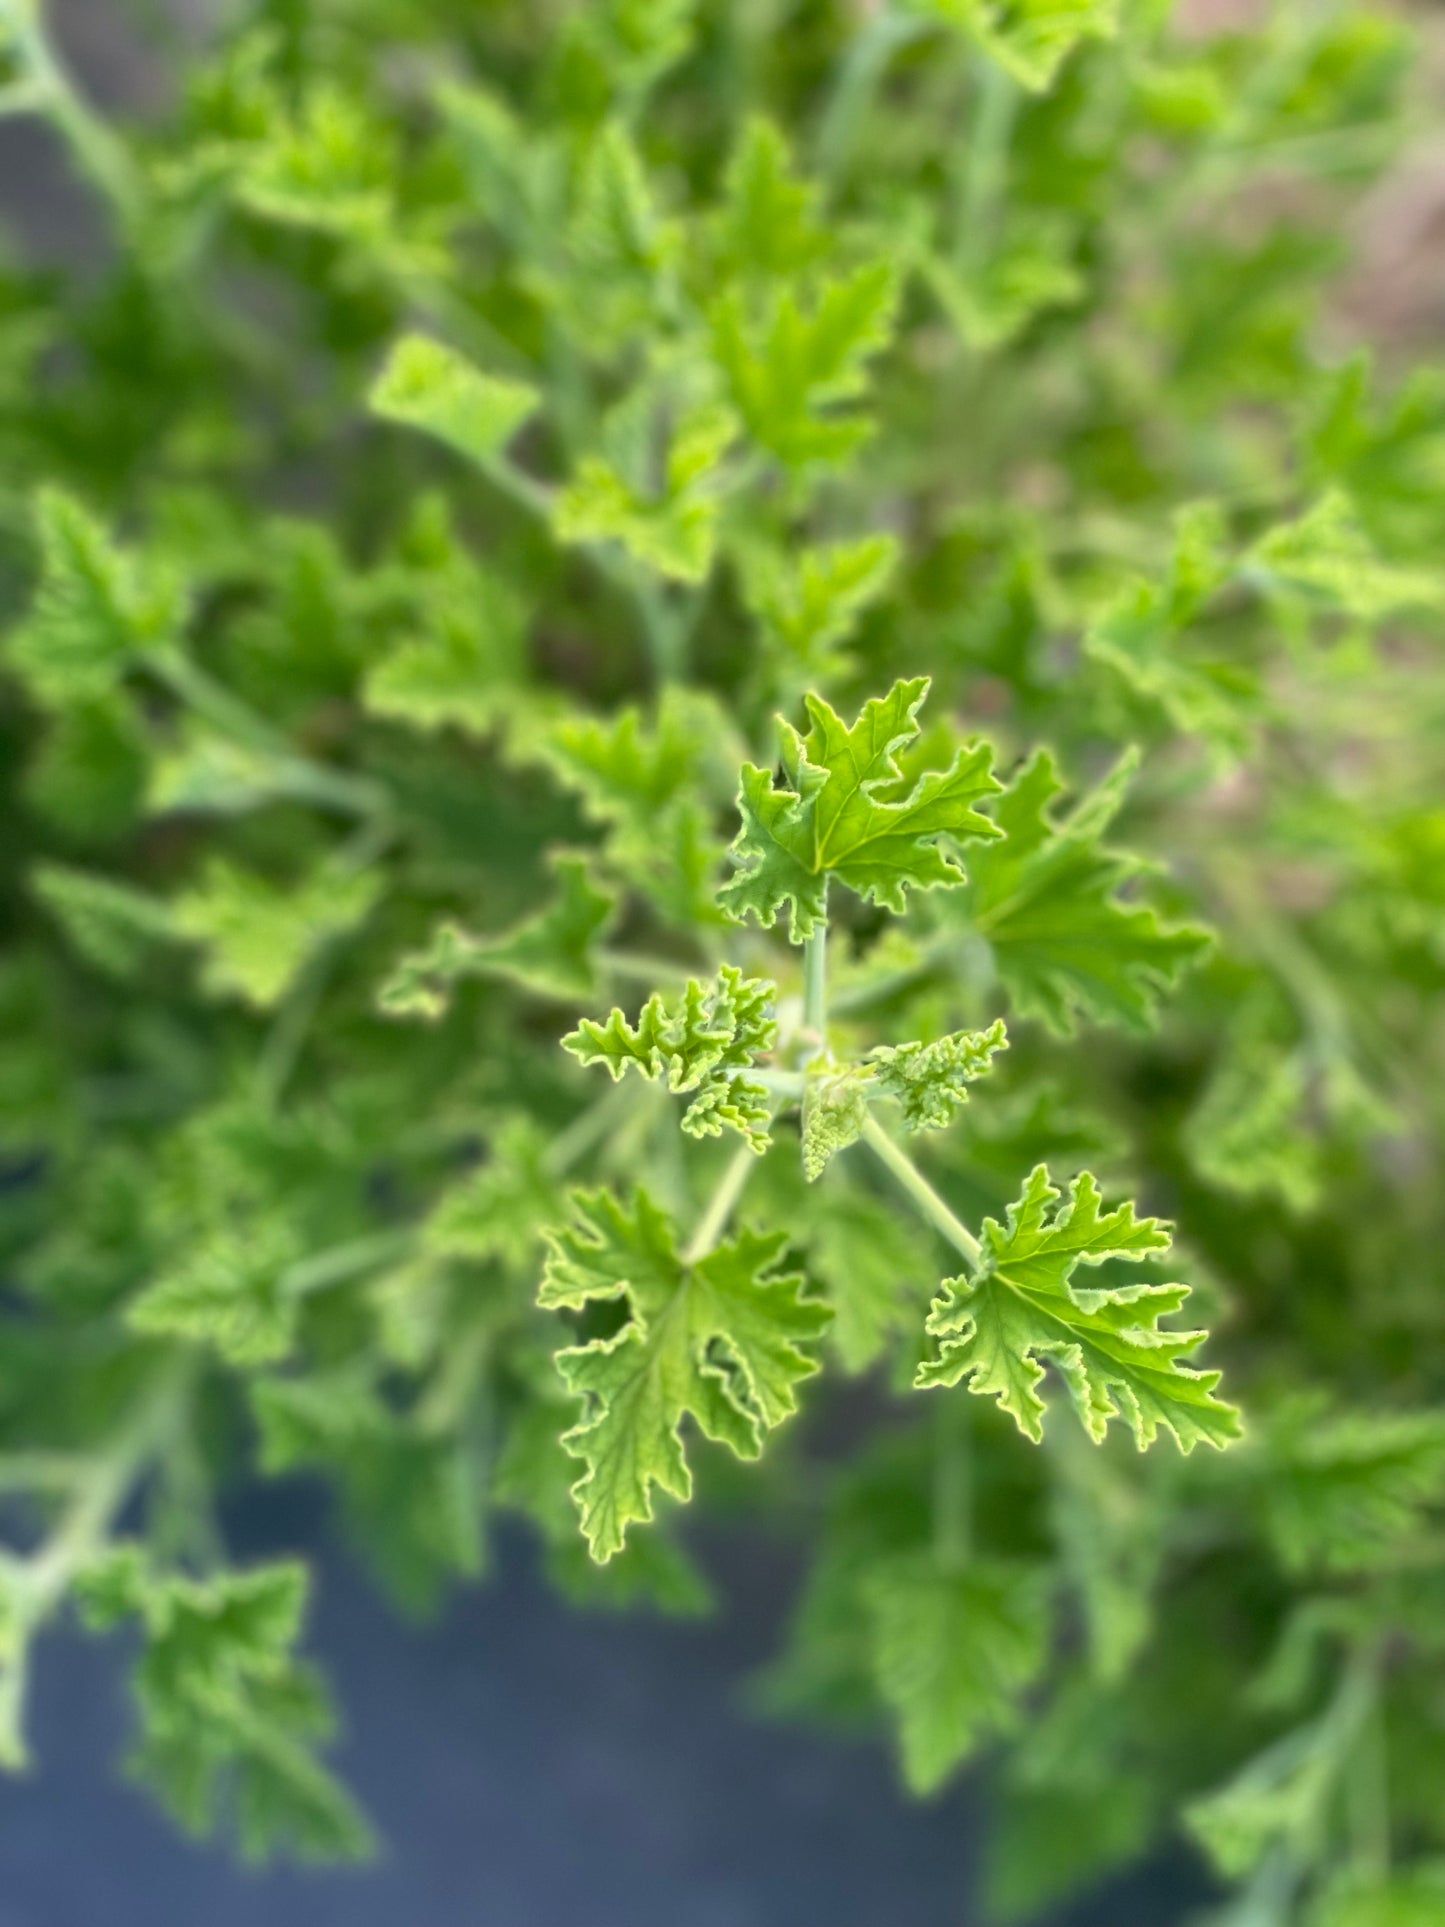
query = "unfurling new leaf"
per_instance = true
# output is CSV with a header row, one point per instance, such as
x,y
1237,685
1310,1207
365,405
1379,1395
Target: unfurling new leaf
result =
x,y
704,1041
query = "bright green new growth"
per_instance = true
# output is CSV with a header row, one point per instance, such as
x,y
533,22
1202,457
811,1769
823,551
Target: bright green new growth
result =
x,y
930,1081
853,812
705,1041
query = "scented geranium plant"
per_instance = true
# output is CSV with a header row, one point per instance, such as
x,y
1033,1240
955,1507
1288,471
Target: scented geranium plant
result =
x,y
705,699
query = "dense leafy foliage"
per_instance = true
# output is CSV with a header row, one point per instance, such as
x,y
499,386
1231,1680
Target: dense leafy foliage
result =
x,y
841,566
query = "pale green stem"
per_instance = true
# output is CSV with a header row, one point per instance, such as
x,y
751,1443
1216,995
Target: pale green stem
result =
x,y
635,967
588,1129
859,73
39,1471
98,151
281,1051
305,780
952,1483
930,1206
38,1584
985,169
720,1207
1367,1789
815,981
341,1263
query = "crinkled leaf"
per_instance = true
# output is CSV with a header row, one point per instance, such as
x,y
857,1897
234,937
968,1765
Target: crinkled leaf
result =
x,y
1026,1305
723,1341
930,1081
791,378
704,1041
97,608
841,814
835,1107
427,386
258,936
1048,900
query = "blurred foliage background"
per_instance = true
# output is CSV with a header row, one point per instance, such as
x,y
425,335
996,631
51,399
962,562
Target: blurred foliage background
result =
x,y
434,440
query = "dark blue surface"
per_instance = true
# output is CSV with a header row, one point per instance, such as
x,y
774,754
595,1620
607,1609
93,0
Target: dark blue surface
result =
x,y
527,1766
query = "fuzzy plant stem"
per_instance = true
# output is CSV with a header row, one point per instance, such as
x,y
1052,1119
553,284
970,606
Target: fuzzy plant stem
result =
x,y
922,1193
98,152
721,1205
815,984
952,1483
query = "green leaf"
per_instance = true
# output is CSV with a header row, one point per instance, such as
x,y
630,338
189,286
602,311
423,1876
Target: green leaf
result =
x,y
671,530
553,954
787,378
228,1290
844,815
97,610
930,1081
231,1720
656,786
330,167
427,386
420,983
1327,558
615,51
1025,1305
1030,39
462,670
1247,1133
1139,636
1047,899
993,302
499,1210
1347,1491
112,925
954,1652
616,234
721,1341
1279,1798
704,1041
809,603
768,224
256,936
